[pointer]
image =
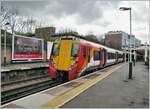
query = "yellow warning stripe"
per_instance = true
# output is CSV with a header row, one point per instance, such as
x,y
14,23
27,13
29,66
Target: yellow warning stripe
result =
x,y
61,100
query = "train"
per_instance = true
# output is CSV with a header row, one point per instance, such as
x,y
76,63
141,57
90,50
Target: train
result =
x,y
74,57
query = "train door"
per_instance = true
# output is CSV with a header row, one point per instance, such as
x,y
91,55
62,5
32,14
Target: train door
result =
x,y
101,57
88,57
88,54
83,60
105,56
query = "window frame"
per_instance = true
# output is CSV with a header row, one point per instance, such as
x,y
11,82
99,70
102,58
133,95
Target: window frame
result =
x,y
111,55
73,48
95,58
55,48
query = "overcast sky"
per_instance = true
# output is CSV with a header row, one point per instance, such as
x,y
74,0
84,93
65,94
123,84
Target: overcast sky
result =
x,y
87,16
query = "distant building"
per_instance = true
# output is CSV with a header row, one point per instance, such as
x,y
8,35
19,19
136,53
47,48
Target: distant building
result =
x,y
44,32
120,39
91,36
138,42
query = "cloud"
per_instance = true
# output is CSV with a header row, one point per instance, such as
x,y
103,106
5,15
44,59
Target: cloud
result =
x,y
89,12
86,10
98,16
25,8
140,12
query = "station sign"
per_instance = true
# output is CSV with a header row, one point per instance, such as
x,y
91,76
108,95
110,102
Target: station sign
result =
x,y
27,48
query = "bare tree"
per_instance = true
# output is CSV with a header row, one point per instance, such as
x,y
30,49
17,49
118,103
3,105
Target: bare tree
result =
x,y
8,16
17,23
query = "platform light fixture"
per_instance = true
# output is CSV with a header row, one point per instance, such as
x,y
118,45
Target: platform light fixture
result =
x,y
130,62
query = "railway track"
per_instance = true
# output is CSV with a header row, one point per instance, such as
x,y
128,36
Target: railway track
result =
x,y
12,92
21,83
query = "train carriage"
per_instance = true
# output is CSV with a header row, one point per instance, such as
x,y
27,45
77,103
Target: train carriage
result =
x,y
74,57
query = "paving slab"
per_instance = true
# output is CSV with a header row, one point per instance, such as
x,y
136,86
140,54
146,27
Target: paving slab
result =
x,y
115,92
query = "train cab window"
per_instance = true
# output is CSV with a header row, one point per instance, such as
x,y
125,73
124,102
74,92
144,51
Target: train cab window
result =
x,y
75,49
56,48
84,52
96,55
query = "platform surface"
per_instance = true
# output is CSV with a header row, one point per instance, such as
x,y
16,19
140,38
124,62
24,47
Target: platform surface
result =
x,y
114,92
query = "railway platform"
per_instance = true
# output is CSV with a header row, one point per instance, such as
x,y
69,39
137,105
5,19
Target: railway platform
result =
x,y
108,88
117,91
23,71
23,66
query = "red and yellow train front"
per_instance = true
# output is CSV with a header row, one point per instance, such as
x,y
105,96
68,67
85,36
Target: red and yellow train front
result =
x,y
64,59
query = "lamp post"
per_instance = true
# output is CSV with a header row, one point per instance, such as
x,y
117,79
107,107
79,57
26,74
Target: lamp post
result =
x,y
125,54
130,62
5,43
134,50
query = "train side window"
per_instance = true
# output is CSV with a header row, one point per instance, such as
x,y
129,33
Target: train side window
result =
x,y
84,52
96,55
75,49
56,48
111,56
116,55
120,55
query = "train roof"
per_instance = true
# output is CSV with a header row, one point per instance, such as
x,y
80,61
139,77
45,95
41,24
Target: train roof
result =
x,y
92,43
100,45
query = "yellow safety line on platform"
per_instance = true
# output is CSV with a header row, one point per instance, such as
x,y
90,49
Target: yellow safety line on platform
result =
x,y
61,100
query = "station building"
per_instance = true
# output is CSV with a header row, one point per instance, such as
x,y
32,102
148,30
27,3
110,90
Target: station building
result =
x,y
44,32
120,39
